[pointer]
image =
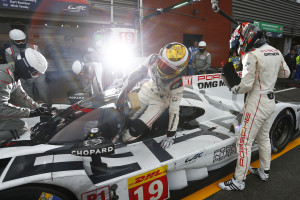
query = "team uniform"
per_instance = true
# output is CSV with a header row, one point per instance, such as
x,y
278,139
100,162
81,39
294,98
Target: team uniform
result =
x,y
29,64
34,86
202,59
262,64
164,90
155,97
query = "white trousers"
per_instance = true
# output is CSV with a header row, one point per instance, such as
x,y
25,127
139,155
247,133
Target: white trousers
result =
x,y
255,125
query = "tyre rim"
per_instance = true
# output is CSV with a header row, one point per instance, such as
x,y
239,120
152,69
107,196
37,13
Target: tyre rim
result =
x,y
282,130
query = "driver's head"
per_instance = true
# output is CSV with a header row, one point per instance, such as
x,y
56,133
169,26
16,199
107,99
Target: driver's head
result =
x,y
30,64
172,60
18,38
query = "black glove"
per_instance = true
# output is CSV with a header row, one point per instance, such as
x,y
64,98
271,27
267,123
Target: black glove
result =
x,y
40,111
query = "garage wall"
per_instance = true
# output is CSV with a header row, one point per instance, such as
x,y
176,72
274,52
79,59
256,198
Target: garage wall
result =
x,y
168,27
284,12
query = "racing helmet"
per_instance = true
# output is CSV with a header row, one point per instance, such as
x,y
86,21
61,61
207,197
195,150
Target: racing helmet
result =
x,y
30,64
77,67
246,37
18,37
202,46
172,60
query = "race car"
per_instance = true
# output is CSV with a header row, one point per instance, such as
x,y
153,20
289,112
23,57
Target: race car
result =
x,y
78,153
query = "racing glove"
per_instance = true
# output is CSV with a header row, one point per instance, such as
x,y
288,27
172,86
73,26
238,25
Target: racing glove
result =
x,y
39,111
235,89
169,140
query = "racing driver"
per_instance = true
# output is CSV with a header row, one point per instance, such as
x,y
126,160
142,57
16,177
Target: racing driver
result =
x,y
165,89
28,64
262,65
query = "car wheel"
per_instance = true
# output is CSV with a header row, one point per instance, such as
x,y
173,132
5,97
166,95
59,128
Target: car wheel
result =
x,y
281,130
31,192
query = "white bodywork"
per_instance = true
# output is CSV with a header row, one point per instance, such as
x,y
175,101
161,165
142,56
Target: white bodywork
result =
x,y
194,153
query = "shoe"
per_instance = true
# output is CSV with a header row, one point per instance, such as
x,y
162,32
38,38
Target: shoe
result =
x,y
232,184
263,174
126,137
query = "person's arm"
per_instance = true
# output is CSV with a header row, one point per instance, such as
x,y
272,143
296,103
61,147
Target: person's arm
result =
x,y
8,55
176,93
7,109
194,61
284,70
22,98
138,74
175,98
248,74
208,61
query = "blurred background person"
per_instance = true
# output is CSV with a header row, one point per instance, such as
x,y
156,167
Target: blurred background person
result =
x,y
236,60
202,60
290,60
192,50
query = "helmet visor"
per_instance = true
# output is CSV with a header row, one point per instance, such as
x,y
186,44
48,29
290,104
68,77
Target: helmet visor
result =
x,y
167,70
20,41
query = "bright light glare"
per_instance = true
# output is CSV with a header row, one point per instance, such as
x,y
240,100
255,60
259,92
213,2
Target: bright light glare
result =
x,y
119,57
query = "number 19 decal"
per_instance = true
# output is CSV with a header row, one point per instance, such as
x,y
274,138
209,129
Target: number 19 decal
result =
x,y
152,185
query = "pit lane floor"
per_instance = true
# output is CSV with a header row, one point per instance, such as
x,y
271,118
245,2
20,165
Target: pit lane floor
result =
x,y
284,182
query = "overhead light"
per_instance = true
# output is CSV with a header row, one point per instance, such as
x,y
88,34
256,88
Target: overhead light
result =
x,y
180,5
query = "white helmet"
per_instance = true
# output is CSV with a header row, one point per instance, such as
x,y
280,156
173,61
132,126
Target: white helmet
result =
x,y
36,60
202,44
30,64
77,67
17,34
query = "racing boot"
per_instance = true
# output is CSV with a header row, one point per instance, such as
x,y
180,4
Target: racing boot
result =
x,y
263,174
232,184
127,137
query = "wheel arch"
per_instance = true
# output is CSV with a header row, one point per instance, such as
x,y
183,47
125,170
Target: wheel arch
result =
x,y
46,185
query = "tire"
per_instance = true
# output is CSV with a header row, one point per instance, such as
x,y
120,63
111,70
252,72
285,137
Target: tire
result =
x,y
281,130
35,192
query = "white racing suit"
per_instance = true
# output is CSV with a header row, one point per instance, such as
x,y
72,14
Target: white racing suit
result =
x,y
155,97
10,115
262,66
35,87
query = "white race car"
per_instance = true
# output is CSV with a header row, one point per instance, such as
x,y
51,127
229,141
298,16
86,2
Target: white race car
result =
x,y
77,154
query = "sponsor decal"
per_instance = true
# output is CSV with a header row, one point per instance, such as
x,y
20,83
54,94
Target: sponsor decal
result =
x,y
210,77
76,107
98,194
242,139
194,158
75,9
271,54
224,152
90,152
47,196
150,185
188,80
211,84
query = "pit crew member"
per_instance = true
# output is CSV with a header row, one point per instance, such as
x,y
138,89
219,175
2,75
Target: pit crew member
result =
x,y
262,65
28,64
32,86
164,90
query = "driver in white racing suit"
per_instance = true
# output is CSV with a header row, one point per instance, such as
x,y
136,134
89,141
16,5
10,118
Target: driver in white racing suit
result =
x,y
262,65
165,89
28,64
